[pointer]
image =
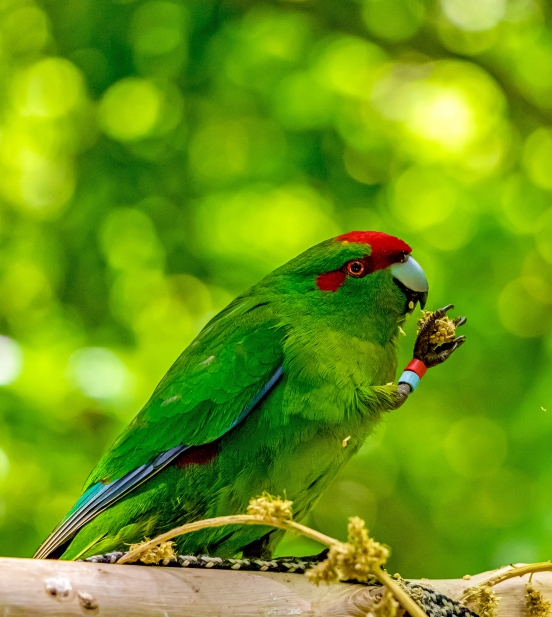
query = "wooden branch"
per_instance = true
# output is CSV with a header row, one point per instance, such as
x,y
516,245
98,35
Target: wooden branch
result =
x,y
41,588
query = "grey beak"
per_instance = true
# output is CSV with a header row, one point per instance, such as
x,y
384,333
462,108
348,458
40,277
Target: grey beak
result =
x,y
411,276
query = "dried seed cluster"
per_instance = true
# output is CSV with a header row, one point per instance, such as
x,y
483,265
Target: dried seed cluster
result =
x,y
444,329
268,506
386,607
484,598
162,553
355,559
535,603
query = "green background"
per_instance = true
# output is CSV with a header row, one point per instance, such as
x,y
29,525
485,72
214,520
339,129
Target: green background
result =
x,y
159,157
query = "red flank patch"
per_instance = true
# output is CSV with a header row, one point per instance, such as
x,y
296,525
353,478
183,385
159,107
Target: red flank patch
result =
x,y
198,455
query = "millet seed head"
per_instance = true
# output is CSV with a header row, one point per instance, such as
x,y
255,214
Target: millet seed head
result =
x,y
444,329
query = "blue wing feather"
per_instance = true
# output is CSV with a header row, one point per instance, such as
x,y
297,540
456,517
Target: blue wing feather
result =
x,y
100,496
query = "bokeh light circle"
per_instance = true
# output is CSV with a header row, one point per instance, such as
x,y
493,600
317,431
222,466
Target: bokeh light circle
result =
x,y
129,109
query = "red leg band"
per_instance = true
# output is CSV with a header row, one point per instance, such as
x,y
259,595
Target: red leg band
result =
x,y
416,366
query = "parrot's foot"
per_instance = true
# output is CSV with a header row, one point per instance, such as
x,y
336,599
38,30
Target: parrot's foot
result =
x,y
437,339
258,549
310,558
262,549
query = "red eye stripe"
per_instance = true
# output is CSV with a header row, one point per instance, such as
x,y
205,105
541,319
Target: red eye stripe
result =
x,y
385,251
331,281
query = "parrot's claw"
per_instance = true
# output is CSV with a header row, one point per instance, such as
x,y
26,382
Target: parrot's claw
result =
x,y
443,311
426,349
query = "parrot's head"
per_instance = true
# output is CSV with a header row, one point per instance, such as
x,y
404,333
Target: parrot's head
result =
x,y
359,274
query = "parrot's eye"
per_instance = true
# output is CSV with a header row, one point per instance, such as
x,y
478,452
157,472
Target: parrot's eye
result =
x,y
355,268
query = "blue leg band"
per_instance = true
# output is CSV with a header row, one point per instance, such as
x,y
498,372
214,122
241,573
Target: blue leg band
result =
x,y
410,378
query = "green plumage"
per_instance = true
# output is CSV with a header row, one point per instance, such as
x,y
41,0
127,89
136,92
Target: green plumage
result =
x,y
337,349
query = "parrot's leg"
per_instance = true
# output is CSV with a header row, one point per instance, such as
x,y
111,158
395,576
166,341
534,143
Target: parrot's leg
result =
x,y
312,558
403,390
259,549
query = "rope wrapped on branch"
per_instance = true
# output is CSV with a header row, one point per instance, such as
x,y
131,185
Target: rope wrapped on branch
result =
x,y
36,588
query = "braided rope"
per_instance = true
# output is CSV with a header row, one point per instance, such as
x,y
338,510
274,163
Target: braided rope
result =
x,y
281,564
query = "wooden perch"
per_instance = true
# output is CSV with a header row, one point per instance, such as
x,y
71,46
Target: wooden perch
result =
x,y
40,588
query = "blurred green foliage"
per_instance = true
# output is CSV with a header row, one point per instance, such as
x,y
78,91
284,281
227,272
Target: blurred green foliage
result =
x,y
157,157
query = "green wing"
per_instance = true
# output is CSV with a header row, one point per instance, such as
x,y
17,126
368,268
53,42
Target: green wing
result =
x,y
214,385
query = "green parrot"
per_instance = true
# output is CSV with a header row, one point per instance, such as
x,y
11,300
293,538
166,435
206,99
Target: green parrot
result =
x,y
275,394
